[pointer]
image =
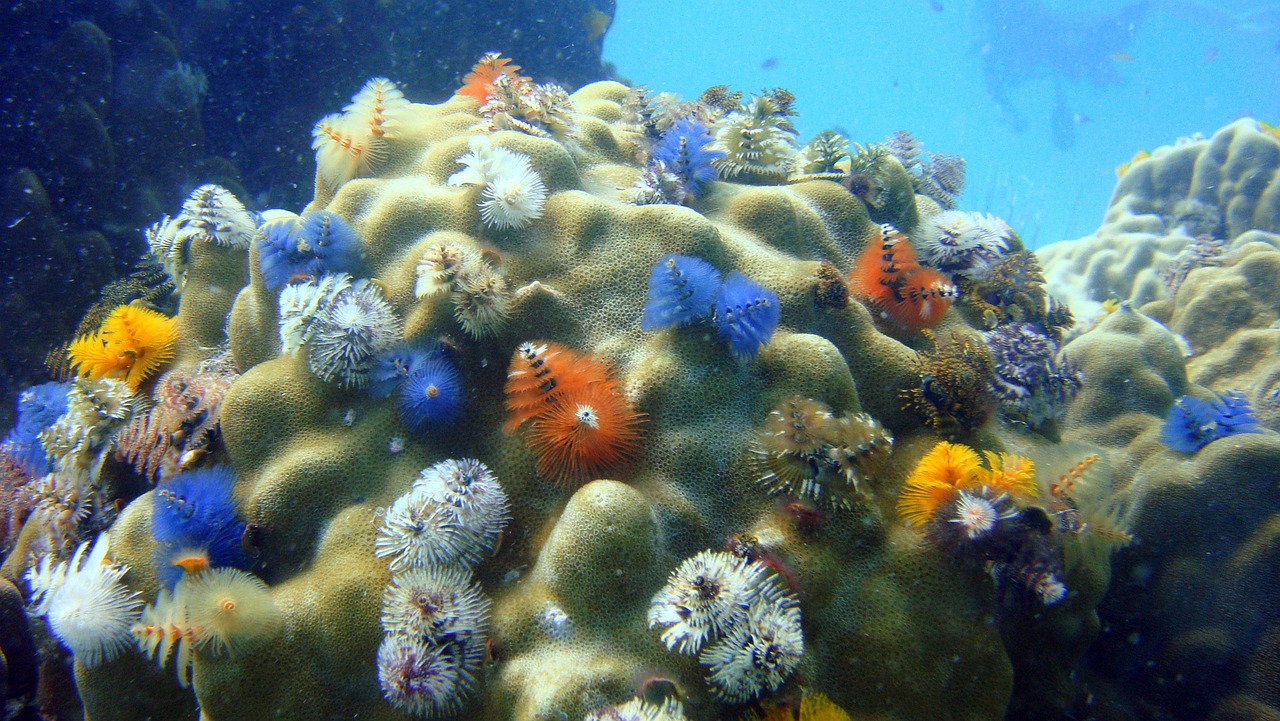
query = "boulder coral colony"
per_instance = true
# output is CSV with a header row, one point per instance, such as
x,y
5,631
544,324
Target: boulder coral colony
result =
x,y
612,405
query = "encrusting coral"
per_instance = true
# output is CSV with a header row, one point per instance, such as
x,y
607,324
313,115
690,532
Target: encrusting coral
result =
x,y
629,438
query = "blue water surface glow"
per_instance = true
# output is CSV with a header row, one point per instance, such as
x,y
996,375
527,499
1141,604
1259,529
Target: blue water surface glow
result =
x,y
1043,98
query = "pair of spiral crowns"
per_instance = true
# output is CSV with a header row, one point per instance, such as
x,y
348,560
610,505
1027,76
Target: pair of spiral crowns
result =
x,y
581,425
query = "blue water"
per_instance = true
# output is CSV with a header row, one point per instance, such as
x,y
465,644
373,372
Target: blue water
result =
x,y
1043,99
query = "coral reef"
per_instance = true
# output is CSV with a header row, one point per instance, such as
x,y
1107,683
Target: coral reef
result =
x,y
1190,245
626,447
1223,187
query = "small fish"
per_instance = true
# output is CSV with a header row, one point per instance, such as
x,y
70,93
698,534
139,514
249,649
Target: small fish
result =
x,y
1122,57
1080,118
1209,54
936,7
769,64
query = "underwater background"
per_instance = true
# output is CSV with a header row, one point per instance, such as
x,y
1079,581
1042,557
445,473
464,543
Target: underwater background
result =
x,y
653,361
1036,96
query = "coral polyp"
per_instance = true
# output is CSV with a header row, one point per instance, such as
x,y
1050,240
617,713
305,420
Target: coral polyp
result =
x,y
704,596
132,344
587,432
682,290
348,335
89,609
431,396
803,450
746,315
